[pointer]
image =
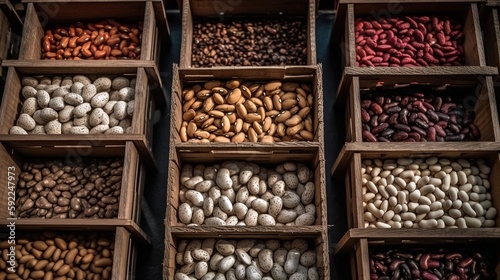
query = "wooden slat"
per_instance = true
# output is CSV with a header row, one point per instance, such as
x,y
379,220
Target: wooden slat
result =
x,y
344,2
398,149
11,13
79,224
458,235
243,231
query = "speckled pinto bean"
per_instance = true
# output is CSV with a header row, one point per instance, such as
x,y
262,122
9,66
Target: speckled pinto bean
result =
x,y
63,255
241,111
239,193
246,259
427,193
106,39
414,116
59,189
409,41
76,105
249,41
432,263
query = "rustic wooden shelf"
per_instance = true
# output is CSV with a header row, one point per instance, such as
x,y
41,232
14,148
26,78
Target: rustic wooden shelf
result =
x,y
396,149
347,242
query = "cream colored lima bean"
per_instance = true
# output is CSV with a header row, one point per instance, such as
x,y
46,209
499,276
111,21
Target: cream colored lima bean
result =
x,y
75,105
427,193
245,259
246,194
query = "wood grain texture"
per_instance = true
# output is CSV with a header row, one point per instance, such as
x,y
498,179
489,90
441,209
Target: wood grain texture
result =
x,y
11,14
491,27
399,149
451,235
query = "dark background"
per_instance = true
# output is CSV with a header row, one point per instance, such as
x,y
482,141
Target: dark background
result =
x,y
150,258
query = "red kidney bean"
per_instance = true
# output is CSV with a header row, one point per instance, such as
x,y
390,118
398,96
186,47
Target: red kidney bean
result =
x,y
400,136
369,136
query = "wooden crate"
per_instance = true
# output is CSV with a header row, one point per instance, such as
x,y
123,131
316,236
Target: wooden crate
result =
x,y
311,156
201,8
40,14
463,9
124,254
132,184
490,20
478,89
348,166
361,247
184,77
142,124
319,241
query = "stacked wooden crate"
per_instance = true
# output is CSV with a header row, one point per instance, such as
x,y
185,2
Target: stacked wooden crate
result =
x,y
204,149
132,148
10,27
369,233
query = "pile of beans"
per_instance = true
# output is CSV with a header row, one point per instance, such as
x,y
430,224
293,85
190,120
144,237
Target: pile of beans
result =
x,y
246,194
107,39
245,259
247,42
427,193
50,255
391,116
76,105
238,111
434,264
56,189
409,41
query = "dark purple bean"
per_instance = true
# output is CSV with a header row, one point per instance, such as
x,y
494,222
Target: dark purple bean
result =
x,y
389,105
449,266
438,101
374,121
381,267
477,256
376,108
475,131
423,117
383,139
383,118
394,119
404,101
388,133
431,134
365,104
402,127
456,112
448,106
396,274
400,136
406,270
379,100
415,135
419,130
413,117
392,110
395,264
442,116
453,119
421,123
403,255
365,117
367,135
403,116
439,131
373,276
432,116
428,106
381,127
454,128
